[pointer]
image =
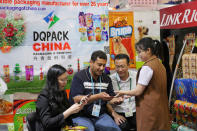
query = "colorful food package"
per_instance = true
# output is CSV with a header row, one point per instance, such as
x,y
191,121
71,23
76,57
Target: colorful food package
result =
x,y
6,104
185,66
176,105
182,107
193,74
194,111
6,71
186,73
121,37
182,87
185,61
29,72
192,61
188,108
74,128
194,91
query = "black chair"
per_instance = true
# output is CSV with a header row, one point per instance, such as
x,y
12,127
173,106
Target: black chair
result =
x,y
31,121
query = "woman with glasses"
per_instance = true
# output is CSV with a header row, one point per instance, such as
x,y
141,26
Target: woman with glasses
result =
x,y
152,113
52,107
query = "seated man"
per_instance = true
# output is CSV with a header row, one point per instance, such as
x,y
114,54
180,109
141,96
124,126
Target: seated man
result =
x,y
125,113
93,81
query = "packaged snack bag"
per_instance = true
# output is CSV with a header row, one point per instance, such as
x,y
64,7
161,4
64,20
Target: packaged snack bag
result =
x,y
82,19
176,105
194,91
194,111
88,19
188,108
183,87
182,107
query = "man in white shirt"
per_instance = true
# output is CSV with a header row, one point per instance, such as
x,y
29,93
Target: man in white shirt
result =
x,y
124,109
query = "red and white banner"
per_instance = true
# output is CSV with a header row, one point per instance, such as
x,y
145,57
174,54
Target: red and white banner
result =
x,y
181,16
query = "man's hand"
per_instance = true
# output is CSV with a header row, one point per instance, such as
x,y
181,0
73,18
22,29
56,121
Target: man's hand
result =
x,y
104,96
84,100
117,101
118,118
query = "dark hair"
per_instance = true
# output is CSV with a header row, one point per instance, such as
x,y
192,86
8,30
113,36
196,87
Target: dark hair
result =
x,y
122,56
147,42
165,33
98,54
57,98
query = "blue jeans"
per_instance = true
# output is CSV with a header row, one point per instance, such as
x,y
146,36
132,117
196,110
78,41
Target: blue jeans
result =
x,y
103,123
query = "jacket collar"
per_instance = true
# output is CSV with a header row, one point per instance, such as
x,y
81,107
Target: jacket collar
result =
x,y
150,59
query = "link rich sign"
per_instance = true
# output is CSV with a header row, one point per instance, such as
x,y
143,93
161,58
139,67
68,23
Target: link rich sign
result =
x,y
181,16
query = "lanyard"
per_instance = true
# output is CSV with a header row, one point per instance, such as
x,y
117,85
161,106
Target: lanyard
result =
x,y
129,85
93,86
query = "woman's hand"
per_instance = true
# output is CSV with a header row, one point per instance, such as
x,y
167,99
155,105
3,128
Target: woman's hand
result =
x,y
75,108
120,93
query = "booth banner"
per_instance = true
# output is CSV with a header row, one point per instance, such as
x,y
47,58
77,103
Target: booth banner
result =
x,y
178,24
37,34
146,24
180,16
121,36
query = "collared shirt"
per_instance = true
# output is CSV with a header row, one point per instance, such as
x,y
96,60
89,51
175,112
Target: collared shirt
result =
x,y
145,76
82,85
124,85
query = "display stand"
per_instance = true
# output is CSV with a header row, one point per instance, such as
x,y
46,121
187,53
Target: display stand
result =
x,y
182,104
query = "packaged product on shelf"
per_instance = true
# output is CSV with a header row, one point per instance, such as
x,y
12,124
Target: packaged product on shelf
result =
x,y
17,72
182,107
41,77
192,60
189,66
104,35
83,36
194,111
194,91
96,21
98,34
182,87
178,117
186,73
29,72
185,65
88,19
176,105
90,34
188,108
185,60
82,19
193,74
6,70
192,66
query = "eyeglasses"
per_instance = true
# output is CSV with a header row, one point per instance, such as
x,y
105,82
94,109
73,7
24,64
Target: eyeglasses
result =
x,y
62,80
139,51
120,66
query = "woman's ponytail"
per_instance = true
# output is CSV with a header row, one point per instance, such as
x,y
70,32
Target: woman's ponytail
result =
x,y
158,49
